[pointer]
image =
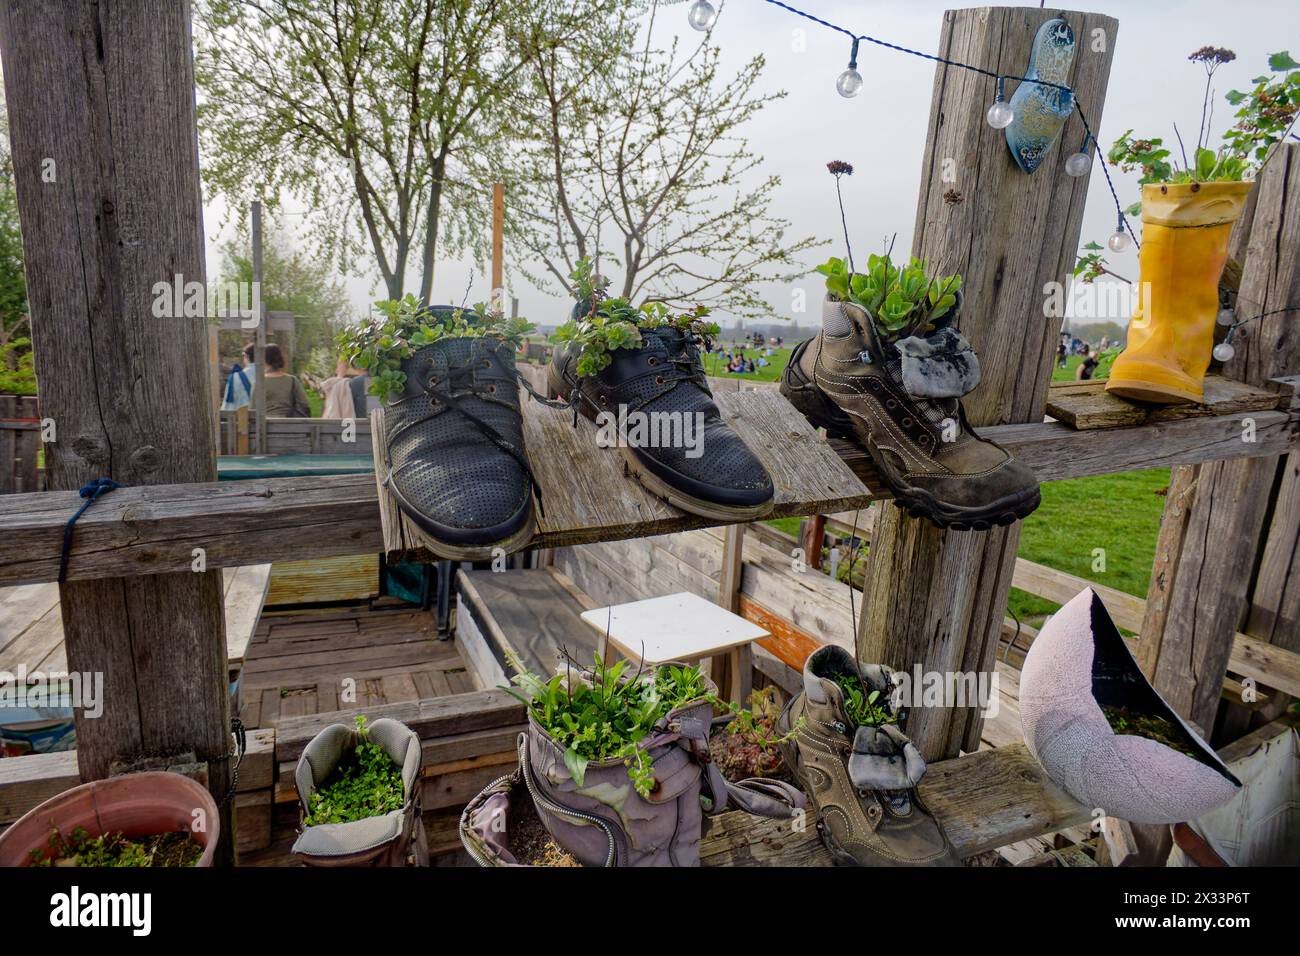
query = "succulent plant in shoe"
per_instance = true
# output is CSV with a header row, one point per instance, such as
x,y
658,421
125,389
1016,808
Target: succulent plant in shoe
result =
x,y
888,371
453,435
636,372
842,742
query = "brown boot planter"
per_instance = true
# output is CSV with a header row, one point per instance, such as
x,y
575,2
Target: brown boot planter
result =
x,y
382,840
138,806
605,821
1078,669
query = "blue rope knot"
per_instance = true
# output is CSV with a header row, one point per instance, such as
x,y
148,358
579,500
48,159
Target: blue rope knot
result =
x,y
91,492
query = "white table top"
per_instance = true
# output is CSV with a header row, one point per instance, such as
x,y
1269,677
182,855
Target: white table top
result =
x,y
676,627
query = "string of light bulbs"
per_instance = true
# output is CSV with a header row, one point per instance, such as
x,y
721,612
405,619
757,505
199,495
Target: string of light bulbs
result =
x,y
703,15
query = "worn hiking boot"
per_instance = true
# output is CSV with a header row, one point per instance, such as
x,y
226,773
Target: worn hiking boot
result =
x,y
660,390
900,400
861,779
455,447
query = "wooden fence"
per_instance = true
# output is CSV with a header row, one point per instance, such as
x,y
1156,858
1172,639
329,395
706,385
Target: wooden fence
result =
x,y
20,426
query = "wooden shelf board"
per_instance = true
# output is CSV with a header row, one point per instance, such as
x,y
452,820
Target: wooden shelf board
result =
x,y
1087,405
588,497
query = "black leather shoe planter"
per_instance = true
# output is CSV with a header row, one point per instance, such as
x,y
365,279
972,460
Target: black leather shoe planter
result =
x,y
455,448
725,482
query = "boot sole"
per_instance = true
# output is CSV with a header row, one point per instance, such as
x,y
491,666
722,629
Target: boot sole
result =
x,y
692,505
468,552
921,504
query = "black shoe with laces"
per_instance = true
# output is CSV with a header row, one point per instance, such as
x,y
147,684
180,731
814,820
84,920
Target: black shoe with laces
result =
x,y
455,447
706,469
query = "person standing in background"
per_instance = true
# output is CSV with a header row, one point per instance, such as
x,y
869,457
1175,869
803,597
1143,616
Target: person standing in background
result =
x,y
239,386
285,396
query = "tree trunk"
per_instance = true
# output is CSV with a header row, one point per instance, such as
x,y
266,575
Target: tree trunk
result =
x,y
937,598
101,94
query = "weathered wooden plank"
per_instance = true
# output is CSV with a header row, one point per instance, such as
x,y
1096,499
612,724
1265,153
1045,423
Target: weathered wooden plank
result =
x,y
28,781
1087,405
937,598
589,497
350,577
106,91
151,530
984,800
436,717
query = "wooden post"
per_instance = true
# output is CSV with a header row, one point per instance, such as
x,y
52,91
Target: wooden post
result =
x,y
1228,538
813,540
259,350
498,242
101,108
937,598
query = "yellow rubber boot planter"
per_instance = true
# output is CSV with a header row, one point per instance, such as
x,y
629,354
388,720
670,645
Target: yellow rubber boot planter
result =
x,y
1185,230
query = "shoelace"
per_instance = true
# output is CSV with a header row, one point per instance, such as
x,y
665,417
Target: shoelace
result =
x,y
443,392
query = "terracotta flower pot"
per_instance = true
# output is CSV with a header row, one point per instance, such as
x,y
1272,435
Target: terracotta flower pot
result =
x,y
135,805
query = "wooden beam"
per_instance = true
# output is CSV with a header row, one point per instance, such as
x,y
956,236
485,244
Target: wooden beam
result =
x,y
983,800
150,530
934,598
105,154
1222,519
498,243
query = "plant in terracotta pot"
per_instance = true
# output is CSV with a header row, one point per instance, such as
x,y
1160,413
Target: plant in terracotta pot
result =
x,y
1190,202
615,764
134,820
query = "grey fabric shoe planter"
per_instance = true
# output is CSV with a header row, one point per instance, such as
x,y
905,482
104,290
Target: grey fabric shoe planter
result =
x,y
374,841
1078,663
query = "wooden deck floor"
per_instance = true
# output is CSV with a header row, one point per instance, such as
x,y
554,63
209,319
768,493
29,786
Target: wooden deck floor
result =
x,y
298,664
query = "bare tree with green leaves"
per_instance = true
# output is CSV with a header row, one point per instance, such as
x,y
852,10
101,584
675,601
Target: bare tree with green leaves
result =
x,y
637,160
380,116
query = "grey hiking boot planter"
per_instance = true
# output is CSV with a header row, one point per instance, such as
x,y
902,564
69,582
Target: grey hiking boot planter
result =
x,y
707,469
861,778
1078,684
603,820
384,839
455,447
899,398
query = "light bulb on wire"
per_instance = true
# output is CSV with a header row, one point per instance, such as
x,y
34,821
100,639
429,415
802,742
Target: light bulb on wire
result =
x,y
703,15
1223,352
1119,240
1000,114
849,83
1079,163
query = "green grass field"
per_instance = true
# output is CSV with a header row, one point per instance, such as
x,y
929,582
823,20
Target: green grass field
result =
x,y
716,364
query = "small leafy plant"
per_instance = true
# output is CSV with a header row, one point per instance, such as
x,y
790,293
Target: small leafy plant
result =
x,y
366,784
404,325
748,745
1122,720
113,849
614,323
862,705
895,296
607,712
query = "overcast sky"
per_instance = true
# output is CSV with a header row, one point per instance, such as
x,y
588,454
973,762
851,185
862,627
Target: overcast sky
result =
x,y
882,131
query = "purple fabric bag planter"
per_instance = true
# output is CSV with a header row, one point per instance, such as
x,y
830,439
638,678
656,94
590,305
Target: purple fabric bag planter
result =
x,y
1079,662
604,821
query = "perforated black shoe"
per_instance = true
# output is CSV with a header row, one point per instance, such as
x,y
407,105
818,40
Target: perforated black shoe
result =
x,y
455,448
659,390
